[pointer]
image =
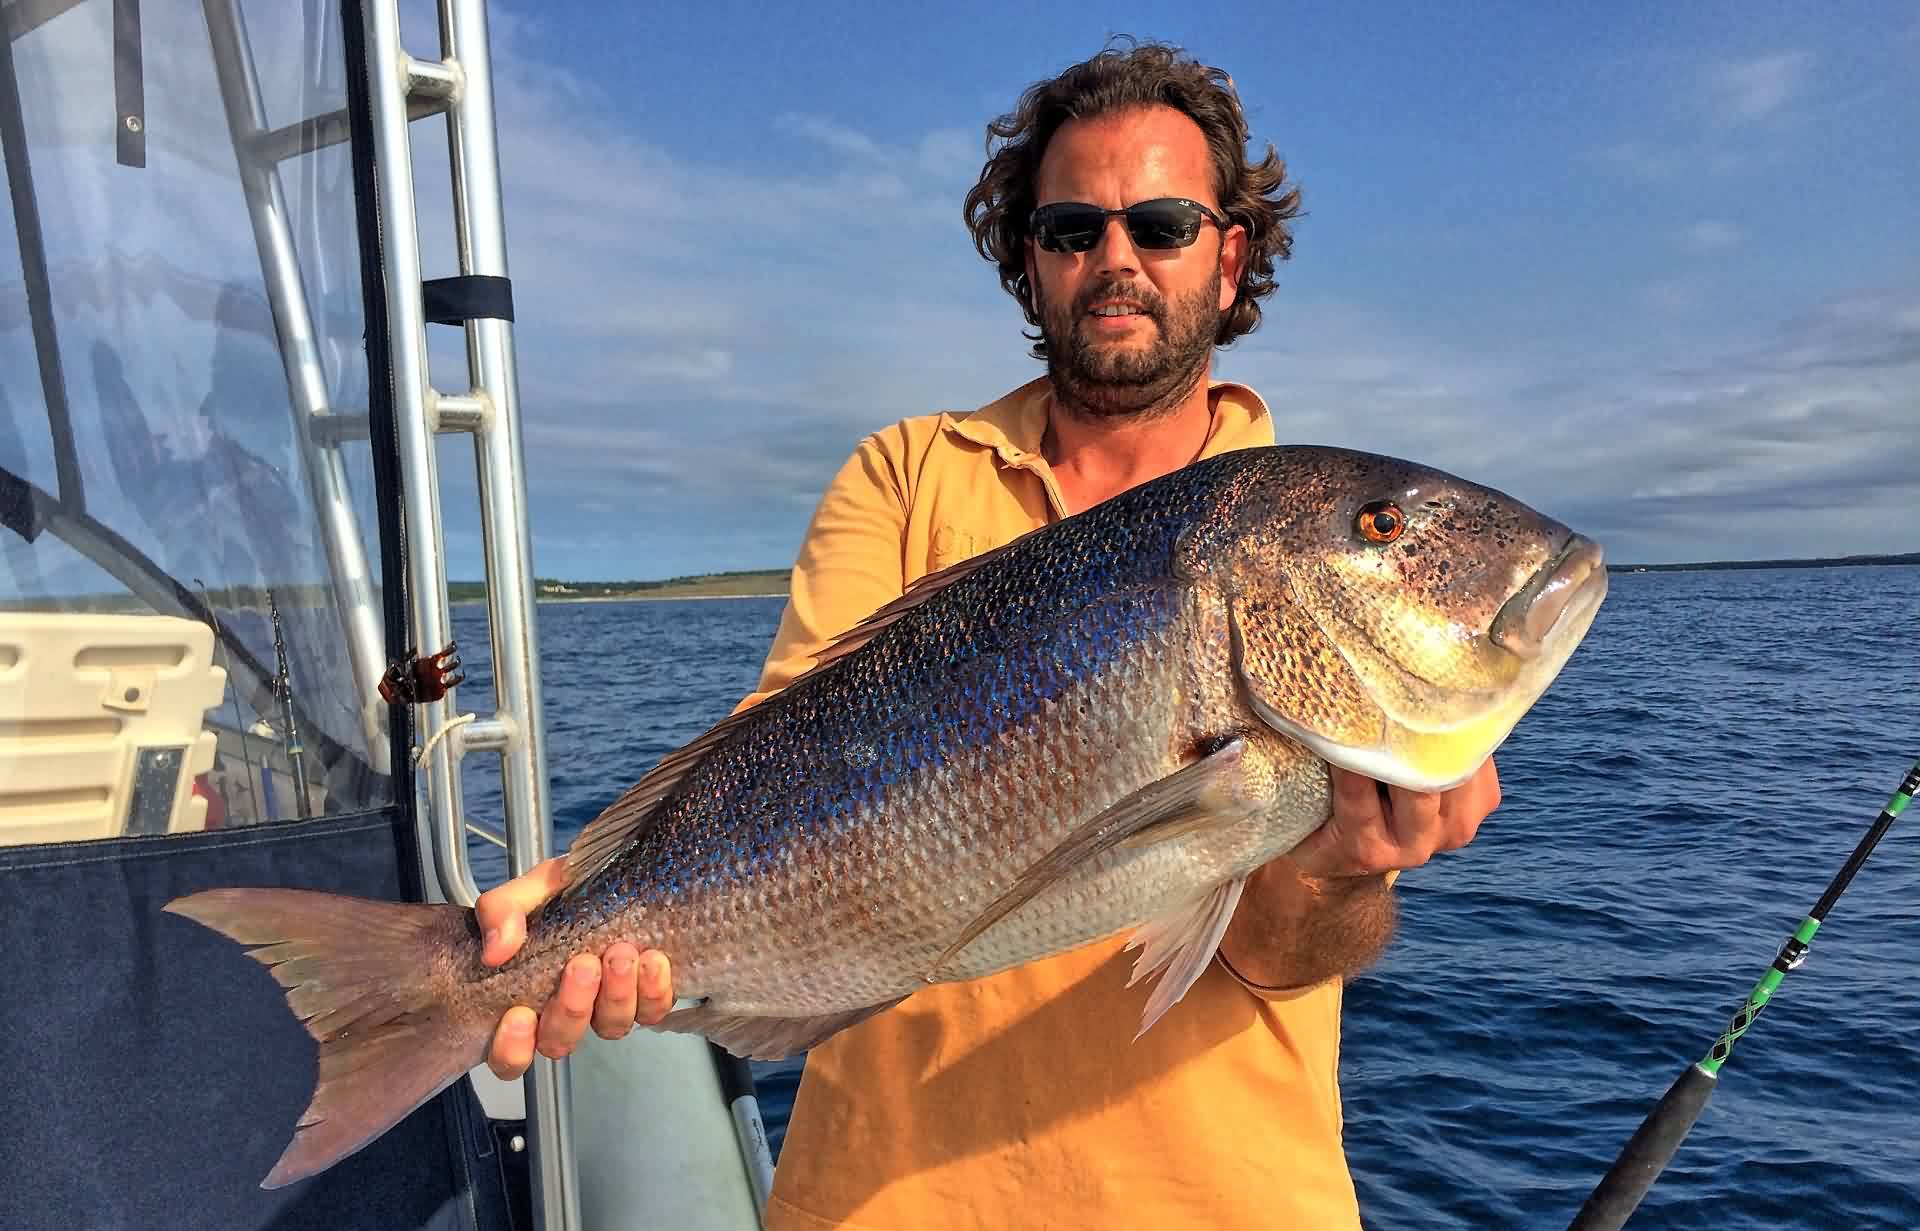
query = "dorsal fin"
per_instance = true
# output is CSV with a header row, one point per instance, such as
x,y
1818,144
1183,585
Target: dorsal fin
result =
x,y
627,817
916,594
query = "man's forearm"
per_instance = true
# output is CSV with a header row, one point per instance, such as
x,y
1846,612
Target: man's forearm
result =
x,y
1293,931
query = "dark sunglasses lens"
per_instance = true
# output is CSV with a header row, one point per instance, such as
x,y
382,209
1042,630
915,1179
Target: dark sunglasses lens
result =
x,y
1068,228
1163,224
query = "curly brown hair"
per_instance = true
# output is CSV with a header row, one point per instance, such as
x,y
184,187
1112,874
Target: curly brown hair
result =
x,y
1254,194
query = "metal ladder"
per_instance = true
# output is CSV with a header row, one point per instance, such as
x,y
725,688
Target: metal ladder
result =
x,y
461,83
404,89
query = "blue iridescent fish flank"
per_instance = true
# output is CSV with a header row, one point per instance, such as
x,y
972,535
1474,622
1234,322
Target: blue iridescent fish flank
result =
x,y
955,673
1102,728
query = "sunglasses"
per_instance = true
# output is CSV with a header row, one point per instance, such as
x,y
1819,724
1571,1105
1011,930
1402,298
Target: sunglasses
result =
x,y
1075,226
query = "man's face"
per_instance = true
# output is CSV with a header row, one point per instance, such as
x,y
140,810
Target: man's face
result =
x,y
1146,360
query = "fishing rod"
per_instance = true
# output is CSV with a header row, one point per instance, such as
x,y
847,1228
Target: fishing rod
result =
x,y
1653,1145
233,695
283,692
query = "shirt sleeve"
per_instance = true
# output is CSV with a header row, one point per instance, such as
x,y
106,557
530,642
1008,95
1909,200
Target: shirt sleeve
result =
x,y
850,564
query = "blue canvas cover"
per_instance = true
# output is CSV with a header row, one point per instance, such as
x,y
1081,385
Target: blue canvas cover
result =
x,y
160,384
153,1071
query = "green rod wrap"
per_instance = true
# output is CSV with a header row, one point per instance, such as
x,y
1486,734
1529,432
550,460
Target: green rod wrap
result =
x,y
1794,952
1659,1136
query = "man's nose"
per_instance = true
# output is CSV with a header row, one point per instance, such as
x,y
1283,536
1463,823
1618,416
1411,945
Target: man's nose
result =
x,y
1115,253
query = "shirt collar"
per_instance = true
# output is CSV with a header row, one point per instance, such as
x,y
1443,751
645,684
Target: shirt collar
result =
x,y
1015,425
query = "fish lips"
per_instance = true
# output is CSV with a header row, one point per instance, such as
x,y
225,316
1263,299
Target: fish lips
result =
x,y
1575,578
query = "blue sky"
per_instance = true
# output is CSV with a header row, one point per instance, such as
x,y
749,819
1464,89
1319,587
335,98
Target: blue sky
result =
x,y
1649,267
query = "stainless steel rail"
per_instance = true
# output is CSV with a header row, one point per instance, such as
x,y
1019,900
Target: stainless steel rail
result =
x,y
489,412
354,592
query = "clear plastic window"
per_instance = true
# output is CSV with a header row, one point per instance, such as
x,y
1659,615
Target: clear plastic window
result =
x,y
190,629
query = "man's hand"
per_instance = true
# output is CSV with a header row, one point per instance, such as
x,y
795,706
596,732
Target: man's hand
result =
x,y
1324,910
614,991
1377,829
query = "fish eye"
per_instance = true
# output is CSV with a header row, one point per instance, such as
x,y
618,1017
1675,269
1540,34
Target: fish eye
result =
x,y
1381,522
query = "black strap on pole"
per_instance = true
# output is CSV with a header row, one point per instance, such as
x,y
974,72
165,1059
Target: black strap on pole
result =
x,y
129,86
467,297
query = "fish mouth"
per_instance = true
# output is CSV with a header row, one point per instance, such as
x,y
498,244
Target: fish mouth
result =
x,y
1526,624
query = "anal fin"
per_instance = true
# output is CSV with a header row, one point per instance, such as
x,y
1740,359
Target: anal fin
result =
x,y
1178,946
767,1038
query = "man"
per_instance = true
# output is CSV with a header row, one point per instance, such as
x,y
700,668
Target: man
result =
x,y
1022,1100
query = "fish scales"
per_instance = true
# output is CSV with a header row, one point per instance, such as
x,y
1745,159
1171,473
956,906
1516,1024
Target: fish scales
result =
x,y
920,758
1105,725
929,753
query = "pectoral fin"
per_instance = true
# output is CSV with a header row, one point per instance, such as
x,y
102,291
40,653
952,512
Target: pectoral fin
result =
x,y
1181,945
1198,796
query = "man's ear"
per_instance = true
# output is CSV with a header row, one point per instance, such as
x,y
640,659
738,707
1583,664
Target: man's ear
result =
x,y
1233,261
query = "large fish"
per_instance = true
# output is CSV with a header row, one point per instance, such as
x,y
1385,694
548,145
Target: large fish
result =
x,y
1105,725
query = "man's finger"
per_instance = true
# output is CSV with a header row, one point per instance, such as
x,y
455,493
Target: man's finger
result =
x,y
1356,832
1471,804
1357,799
655,990
501,912
564,1020
1414,819
613,1008
512,1052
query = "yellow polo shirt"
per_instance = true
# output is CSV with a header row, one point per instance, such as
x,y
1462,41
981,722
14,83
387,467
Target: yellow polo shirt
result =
x,y
1021,1100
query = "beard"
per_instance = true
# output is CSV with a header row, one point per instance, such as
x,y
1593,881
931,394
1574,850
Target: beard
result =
x,y
1114,380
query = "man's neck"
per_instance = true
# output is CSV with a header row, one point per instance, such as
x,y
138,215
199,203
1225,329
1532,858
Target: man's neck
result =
x,y
1094,459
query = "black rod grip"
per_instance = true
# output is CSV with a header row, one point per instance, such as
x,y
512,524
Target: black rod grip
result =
x,y
1647,1153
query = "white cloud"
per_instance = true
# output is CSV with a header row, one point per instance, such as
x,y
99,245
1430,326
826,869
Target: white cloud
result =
x,y
1749,90
1805,443
1722,119
1684,159
1710,235
1675,296
704,365
949,153
1643,160
836,137
704,334
697,362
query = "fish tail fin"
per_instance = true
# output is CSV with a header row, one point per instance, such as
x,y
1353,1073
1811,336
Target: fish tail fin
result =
x,y
360,975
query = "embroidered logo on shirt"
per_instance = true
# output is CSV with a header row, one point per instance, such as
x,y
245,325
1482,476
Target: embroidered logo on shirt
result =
x,y
951,545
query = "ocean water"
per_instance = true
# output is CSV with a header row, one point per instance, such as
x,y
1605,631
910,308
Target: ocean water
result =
x,y
1672,807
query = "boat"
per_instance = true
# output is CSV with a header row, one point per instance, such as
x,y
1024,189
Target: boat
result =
x,y
226,655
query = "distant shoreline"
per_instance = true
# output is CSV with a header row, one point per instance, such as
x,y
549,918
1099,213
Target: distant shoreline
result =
x,y
759,583
703,587
1874,561
649,596
652,597
739,583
